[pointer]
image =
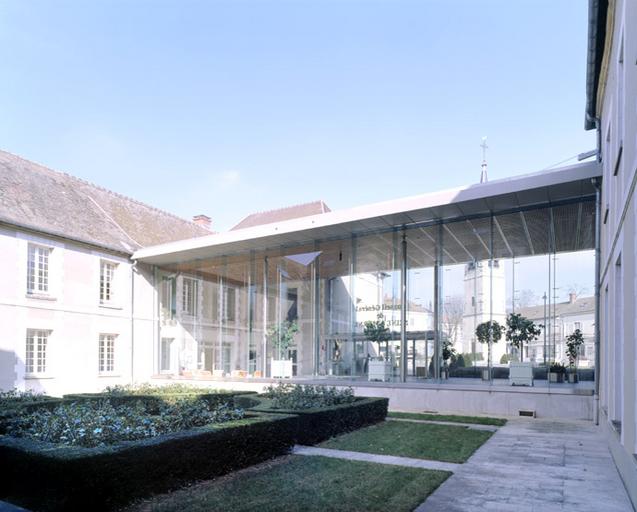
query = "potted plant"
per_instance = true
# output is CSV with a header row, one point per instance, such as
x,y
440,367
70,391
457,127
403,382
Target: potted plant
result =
x,y
573,342
377,332
556,372
521,330
489,332
282,338
448,352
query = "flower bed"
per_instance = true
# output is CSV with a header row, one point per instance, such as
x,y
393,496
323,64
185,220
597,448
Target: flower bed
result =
x,y
46,476
93,423
14,403
318,423
155,396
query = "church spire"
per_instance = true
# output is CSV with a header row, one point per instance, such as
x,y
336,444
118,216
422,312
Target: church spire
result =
x,y
483,175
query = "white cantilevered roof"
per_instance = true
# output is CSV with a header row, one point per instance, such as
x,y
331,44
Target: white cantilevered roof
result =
x,y
529,191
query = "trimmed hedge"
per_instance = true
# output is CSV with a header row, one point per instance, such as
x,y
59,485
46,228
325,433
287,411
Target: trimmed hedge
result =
x,y
317,425
51,477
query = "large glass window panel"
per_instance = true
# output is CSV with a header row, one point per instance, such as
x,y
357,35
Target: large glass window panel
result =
x,y
340,353
291,284
471,294
377,298
420,333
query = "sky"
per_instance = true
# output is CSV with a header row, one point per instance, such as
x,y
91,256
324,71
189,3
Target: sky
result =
x,y
227,108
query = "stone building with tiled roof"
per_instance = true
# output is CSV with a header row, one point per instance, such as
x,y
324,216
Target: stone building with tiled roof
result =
x,y
576,313
75,308
281,214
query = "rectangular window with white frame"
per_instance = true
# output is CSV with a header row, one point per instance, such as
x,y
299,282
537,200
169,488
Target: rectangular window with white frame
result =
x,y
36,352
189,291
38,269
107,354
107,281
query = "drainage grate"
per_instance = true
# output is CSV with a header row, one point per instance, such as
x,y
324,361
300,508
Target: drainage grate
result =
x,y
528,414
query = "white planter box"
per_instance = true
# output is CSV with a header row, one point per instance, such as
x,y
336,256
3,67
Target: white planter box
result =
x,y
380,370
521,374
281,368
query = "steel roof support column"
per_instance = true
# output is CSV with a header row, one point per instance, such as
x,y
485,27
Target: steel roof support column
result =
x,y
403,310
598,217
265,318
437,304
316,283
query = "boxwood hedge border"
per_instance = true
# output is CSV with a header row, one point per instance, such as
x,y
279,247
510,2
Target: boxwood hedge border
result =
x,y
319,424
51,477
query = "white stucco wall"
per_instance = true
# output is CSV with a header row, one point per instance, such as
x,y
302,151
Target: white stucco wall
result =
x,y
74,316
618,112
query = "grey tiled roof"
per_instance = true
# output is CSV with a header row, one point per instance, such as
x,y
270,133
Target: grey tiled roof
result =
x,y
580,306
37,198
290,212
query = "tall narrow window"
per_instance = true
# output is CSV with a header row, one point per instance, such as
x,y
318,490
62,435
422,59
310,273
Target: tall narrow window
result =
x,y
35,361
107,276
189,296
107,353
230,304
38,269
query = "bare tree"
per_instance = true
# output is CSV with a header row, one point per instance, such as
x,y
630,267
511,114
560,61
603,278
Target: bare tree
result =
x,y
526,298
452,313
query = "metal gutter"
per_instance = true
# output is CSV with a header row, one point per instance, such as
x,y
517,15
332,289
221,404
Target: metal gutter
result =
x,y
597,15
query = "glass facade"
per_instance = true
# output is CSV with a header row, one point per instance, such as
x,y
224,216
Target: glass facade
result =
x,y
310,311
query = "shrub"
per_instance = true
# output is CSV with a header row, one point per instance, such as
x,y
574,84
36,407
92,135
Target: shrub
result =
x,y
149,389
98,423
297,397
505,359
15,397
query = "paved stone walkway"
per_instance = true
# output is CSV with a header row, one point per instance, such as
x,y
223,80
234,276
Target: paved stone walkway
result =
x,y
534,465
372,457
472,426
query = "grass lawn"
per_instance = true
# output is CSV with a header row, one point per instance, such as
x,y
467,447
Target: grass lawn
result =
x,y
478,420
305,483
418,440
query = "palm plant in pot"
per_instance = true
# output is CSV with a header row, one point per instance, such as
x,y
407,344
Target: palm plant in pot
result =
x,y
282,338
489,332
573,342
377,331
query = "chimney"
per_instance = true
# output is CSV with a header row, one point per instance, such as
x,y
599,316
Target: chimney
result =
x,y
572,297
204,221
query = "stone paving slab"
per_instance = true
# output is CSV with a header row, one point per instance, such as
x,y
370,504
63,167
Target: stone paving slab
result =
x,y
372,457
472,426
534,465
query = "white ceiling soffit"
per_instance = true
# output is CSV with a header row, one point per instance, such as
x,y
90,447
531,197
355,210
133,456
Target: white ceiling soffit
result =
x,y
528,190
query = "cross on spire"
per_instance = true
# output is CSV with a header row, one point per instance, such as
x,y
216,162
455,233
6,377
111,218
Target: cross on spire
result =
x,y
483,174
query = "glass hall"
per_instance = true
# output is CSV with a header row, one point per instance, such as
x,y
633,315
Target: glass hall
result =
x,y
393,297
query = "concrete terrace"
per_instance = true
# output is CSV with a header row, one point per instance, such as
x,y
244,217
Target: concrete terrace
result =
x,y
536,465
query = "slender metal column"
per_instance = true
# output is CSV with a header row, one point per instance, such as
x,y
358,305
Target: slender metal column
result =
x,y
316,339
491,262
251,308
598,267
403,310
264,361
437,304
